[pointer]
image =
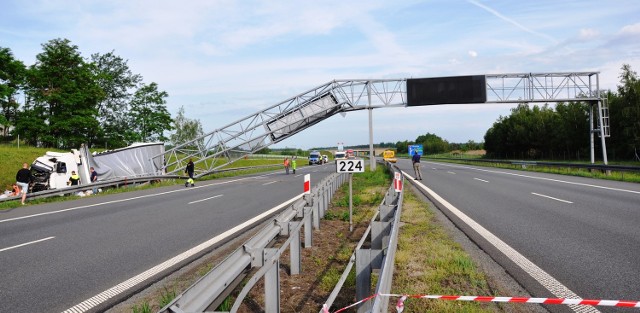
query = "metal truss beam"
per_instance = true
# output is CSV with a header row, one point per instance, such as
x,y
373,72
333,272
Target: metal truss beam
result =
x,y
250,134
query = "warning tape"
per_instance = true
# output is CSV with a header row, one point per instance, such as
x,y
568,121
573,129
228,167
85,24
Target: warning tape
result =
x,y
591,302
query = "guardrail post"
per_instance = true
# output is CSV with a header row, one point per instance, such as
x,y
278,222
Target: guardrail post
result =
x,y
366,260
294,250
272,283
378,231
316,215
308,231
321,201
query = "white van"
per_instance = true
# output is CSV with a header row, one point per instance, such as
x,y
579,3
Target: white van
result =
x,y
340,155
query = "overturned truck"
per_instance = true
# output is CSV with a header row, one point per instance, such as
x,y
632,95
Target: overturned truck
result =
x,y
52,170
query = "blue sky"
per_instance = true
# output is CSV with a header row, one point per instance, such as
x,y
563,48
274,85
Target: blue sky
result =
x,y
224,60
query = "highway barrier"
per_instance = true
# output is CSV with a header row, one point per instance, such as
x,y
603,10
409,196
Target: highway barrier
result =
x,y
382,238
209,291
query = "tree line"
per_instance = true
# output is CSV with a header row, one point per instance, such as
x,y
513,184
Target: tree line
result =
x,y
544,132
68,100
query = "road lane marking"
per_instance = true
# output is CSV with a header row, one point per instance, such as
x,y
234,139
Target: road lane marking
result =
x,y
541,195
546,280
298,175
450,172
544,178
131,282
486,181
205,199
122,200
269,183
26,244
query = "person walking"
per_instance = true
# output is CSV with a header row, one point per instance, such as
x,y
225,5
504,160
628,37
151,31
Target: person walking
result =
x,y
286,165
23,179
416,165
93,177
293,164
189,170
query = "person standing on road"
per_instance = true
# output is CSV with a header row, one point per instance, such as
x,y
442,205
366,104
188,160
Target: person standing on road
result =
x,y
23,179
416,165
293,164
286,165
189,170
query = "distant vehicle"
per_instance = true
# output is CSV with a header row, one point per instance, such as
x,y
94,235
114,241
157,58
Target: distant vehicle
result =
x,y
340,155
389,156
315,158
325,158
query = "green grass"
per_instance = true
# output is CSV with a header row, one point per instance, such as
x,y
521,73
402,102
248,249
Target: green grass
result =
x,y
428,261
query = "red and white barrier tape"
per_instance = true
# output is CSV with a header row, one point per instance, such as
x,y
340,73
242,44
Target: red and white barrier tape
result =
x,y
591,302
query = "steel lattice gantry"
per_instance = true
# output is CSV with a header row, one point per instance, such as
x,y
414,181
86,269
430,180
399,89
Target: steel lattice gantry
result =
x,y
227,144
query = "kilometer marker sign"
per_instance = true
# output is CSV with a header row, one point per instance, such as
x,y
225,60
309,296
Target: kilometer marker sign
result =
x,y
397,182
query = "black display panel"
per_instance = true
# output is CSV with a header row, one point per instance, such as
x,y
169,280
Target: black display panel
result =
x,y
446,90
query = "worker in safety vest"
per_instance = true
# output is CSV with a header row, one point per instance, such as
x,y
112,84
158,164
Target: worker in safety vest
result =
x,y
293,164
74,179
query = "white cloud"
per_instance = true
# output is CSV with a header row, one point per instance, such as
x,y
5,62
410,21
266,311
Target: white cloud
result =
x,y
473,54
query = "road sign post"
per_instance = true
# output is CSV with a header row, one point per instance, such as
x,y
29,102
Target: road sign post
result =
x,y
350,166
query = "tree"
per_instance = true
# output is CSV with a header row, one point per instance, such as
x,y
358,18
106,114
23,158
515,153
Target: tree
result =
x,y
625,114
432,143
62,96
186,130
117,83
12,75
148,114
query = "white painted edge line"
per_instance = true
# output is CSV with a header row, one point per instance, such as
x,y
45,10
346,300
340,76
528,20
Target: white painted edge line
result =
x,y
205,199
482,180
269,183
131,282
545,196
26,244
450,172
122,200
542,277
542,178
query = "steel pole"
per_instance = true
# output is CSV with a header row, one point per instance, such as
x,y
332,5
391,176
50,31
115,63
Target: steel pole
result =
x,y
372,157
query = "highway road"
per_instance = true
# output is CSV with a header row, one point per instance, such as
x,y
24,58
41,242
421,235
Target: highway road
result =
x,y
557,235
56,256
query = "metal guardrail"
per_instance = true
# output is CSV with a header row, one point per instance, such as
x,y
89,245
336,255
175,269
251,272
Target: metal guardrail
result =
x,y
524,164
210,290
382,235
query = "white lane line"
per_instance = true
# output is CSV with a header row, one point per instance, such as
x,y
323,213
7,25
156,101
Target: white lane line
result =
x,y
554,286
205,199
269,183
486,181
121,200
450,172
543,178
26,244
298,175
545,196
132,282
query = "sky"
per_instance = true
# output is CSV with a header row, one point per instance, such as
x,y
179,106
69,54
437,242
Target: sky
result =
x,y
226,60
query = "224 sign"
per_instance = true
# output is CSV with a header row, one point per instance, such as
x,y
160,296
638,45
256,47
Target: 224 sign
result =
x,y
350,166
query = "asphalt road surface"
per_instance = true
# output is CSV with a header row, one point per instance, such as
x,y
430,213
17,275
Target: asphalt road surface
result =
x,y
564,235
55,256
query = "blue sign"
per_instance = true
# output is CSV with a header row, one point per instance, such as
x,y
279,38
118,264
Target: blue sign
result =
x,y
414,148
